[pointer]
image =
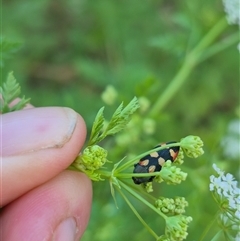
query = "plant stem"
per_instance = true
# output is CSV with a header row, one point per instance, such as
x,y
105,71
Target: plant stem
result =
x,y
208,227
211,35
130,175
72,168
105,174
141,199
218,47
138,215
190,62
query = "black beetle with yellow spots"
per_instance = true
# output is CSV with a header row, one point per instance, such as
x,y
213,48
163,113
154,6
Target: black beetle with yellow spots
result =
x,y
153,162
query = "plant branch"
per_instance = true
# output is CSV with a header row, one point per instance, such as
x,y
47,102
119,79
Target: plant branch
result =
x,y
190,62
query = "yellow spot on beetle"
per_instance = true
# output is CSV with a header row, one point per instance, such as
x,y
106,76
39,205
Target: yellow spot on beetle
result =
x,y
161,161
151,168
144,162
154,154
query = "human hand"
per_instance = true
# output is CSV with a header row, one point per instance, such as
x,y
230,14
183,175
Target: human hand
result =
x,y
40,199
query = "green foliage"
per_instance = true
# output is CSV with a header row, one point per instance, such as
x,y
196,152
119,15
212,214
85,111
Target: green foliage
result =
x,y
97,128
74,49
93,158
9,92
7,49
118,122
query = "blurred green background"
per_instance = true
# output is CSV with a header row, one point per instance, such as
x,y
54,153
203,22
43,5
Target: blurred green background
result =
x,y
65,53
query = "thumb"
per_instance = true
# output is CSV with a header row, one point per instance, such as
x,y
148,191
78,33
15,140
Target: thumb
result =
x,y
47,203
37,144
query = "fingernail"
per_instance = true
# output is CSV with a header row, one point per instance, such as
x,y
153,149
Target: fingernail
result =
x,y
66,230
37,128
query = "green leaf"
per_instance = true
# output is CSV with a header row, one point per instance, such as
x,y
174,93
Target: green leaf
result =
x,y
97,127
20,105
118,122
10,91
121,117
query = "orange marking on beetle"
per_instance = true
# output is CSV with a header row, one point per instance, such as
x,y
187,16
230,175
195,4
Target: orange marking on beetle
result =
x,y
144,162
173,154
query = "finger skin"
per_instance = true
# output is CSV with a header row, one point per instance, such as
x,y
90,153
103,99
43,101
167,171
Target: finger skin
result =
x,y
55,146
36,215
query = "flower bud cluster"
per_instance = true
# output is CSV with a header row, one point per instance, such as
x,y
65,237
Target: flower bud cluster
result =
x,y
180,158
170,174
192,146
92,159
176,227
171,206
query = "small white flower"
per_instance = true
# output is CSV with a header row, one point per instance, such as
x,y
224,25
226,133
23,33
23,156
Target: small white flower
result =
x,y
237,213
216,184
211,185
225,187
232,10
232,202
237,238
217,169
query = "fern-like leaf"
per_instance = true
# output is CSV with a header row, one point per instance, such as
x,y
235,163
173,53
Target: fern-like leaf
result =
x,y
10,91
97,128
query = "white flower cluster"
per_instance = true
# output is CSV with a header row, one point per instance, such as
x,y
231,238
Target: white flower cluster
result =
x,y
225,188
232,9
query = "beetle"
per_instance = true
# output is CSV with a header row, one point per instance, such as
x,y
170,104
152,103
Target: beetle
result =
x,y
154,161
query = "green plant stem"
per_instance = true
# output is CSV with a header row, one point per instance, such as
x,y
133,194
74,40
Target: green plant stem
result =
x,y
141,199
72,168
190,62
211,35
208,227
218,47
218,236
138,215
130,175
105,174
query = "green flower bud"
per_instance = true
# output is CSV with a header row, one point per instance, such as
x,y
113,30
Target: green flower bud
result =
x,y
171,206
180,205
179,160
144,104
165,205
192,146
93,175
170,174
176,227
109,95
149,126
148,187
93,157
